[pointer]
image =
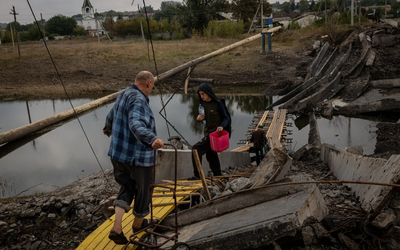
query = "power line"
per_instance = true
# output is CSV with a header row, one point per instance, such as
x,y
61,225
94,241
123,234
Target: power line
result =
x,y
66,93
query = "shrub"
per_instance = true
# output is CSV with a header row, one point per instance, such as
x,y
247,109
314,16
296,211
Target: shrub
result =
x,y
79,31
223,29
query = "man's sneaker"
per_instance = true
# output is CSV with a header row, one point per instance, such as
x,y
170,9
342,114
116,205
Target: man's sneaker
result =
x,y
193,178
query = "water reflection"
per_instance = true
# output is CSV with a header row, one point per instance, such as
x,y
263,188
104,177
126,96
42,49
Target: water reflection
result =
x,y
60,155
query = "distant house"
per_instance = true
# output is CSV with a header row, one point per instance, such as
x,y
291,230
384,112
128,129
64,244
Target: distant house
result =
x,y
89,21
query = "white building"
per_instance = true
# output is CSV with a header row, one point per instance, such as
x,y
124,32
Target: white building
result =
x,y
88,21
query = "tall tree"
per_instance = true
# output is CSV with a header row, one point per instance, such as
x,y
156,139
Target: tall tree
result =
x,y
303,6
60,25
149,9
312,4
195,14
245,10
168,13
292,6
285,7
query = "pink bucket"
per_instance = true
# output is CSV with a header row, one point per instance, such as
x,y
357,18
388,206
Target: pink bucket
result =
x,y
219,141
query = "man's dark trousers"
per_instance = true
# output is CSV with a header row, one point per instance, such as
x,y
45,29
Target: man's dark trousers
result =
x,y
204,147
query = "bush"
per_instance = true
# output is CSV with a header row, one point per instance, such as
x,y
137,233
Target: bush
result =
x,y
223,29
293,25
79,31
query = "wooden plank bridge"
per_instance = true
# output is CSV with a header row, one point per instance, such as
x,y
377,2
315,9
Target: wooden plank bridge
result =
x,y
275,125
163,204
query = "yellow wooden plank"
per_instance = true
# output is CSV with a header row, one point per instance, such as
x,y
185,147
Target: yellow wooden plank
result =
x,y
98,239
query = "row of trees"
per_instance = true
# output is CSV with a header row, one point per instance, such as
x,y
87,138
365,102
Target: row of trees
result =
x,y
57,25
183,19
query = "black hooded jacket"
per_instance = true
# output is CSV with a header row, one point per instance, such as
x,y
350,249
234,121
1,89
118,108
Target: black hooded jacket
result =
x,y
224,118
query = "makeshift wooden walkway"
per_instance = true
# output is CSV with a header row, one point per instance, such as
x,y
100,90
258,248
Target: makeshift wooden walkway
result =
x,y
274,123
162,206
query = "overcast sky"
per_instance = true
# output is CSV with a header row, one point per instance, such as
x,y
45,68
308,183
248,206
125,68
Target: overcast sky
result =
x,y
50,8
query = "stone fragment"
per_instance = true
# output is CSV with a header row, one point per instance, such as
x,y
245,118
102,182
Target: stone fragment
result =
x,y
51,216
385,219
308,235
239,184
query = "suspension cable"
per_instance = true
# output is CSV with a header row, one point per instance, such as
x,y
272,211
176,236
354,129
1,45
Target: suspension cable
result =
x,y
66,93
155,66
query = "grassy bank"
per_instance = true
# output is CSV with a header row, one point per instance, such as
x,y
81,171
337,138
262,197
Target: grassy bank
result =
x,y
86,66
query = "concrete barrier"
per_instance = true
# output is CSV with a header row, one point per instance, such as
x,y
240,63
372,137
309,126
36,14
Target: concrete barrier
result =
x,y
351,167
166,163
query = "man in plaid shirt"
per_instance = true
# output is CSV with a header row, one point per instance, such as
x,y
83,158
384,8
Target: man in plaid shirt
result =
x,y
132,128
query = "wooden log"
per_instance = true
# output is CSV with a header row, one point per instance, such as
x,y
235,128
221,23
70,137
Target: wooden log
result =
x,y
187,80
201,173
36,126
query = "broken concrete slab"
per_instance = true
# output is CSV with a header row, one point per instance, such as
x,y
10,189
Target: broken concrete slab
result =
x,y
273,167
313,67
232,202
386,83
294,92
350,167
372,101
259,225
385,40
323,90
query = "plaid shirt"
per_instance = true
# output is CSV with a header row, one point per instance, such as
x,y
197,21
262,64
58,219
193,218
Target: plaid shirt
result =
x,y
132,127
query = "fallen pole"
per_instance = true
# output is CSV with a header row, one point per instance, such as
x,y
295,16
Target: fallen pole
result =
x,y
36,126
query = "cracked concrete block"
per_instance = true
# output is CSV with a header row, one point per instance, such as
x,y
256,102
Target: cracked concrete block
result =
x,y
350,167
274,166
239,184
259,224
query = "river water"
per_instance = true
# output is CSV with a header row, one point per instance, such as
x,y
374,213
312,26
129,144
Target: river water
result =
x,y
54,158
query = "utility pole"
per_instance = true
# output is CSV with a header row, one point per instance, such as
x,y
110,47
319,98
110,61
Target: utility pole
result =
x,y
141,26
352,12
16,28
326,15
41,19
97,26
385,7
262,20
252,21
12,35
